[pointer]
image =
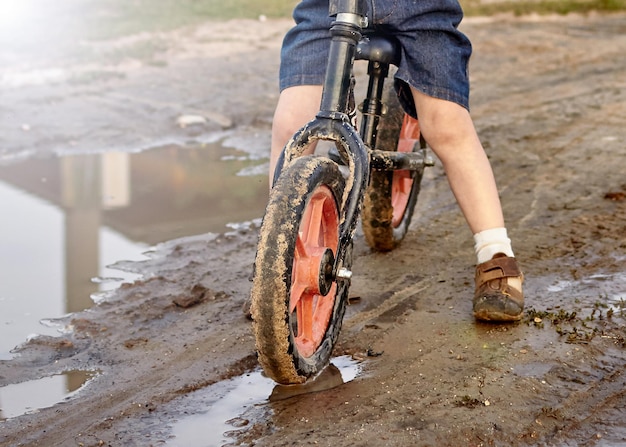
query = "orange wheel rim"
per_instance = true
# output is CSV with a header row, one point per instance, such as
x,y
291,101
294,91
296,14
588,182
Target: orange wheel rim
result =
x,y
402,180
319,230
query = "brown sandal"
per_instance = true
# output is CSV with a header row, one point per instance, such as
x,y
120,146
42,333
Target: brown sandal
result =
x,y
494,298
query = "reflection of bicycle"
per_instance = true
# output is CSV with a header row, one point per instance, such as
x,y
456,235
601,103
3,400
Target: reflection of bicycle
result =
x,y
304,254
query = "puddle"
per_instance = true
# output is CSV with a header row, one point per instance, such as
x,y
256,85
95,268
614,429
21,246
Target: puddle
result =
x,y
28,397
65,219
533,369
607,288
230,402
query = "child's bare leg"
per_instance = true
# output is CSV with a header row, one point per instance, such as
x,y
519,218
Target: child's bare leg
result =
x,y
450,132
296,107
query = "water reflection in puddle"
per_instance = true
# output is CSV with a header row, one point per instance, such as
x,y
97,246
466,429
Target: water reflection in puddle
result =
x,y
229,401
33,395
65,219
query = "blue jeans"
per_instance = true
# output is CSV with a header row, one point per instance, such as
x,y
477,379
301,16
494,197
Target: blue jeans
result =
x,y
435,54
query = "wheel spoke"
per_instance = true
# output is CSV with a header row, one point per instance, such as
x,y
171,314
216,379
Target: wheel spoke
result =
x,y
400,191
312,234
306,312
404,182
299,279
406,144
410,129
298,289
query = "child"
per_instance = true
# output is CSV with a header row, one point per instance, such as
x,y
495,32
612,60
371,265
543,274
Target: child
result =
x,y
432,81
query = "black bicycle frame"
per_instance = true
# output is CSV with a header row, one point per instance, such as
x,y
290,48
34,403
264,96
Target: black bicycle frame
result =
x,y
332,122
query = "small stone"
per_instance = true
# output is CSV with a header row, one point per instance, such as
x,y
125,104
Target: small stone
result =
x,y
190,120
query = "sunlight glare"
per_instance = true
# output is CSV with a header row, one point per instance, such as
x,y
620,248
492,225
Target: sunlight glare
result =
x,y
15,13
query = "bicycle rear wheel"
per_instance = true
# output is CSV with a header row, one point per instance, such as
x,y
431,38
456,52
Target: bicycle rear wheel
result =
x,y
296,305
390,199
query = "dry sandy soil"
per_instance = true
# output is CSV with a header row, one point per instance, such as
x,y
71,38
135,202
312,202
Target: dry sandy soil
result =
x,y
549,101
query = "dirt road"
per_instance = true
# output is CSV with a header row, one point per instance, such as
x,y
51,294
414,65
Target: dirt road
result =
x,y
549,101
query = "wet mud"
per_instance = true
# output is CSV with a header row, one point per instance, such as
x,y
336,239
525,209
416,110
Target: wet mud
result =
x,y
549,101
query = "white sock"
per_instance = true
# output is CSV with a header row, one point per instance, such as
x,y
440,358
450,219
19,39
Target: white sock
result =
x,y
490,242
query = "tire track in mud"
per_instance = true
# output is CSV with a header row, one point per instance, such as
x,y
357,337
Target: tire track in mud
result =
x,y
398,299
586,414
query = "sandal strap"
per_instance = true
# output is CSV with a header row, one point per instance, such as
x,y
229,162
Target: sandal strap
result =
x,y
497,268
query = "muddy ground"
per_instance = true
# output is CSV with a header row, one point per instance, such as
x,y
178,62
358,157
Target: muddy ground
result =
x,y
549,101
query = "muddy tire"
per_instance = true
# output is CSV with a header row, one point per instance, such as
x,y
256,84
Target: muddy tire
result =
x,y
296,324
389,201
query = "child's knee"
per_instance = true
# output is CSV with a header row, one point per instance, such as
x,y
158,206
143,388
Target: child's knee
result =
x,y
296,107
443,123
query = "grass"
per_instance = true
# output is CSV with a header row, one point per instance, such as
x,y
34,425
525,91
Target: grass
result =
x,y
109,19
117,18
522,7
575,328
123,17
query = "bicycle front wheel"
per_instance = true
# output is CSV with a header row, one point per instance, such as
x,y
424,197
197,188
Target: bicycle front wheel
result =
x,y
390,199
296,305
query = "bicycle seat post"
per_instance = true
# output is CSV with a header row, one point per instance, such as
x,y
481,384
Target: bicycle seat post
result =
x,y
346,33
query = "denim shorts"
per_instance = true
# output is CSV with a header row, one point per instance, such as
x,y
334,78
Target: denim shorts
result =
x,y
435,54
